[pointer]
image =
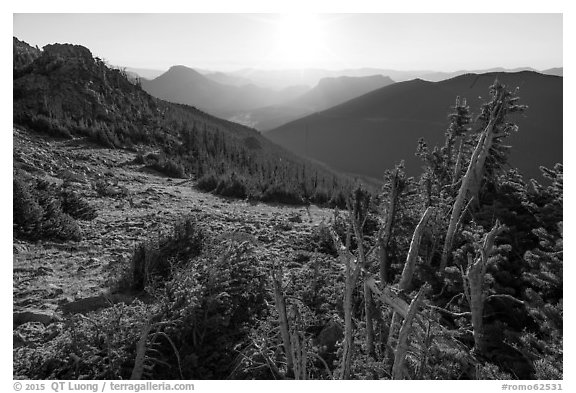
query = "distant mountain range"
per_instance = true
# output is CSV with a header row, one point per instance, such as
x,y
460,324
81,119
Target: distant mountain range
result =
x,y
266,99
558,71
283,78
236,99
375,131
280,79
226,79
184,85
438,76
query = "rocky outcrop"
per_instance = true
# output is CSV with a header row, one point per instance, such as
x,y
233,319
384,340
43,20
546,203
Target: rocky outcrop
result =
x,y
68,51
24,54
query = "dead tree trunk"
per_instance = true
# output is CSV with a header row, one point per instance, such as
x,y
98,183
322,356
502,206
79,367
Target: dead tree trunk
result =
x,y
299,350
409,267
347,355
301,357
353,267
283,319
352,270
405,330
474,286
386,232
458,165
471,180
141,348
383,257
369,320
358,232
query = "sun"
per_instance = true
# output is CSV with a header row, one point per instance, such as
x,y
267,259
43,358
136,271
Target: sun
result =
x,y
299,41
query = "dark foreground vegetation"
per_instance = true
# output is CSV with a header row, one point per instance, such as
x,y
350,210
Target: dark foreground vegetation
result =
x,y
455,274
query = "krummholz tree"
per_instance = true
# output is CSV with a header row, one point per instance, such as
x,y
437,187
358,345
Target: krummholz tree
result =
x,y
455,137
474,287
488,148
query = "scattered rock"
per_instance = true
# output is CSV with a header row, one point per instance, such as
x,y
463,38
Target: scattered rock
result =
x,y
265,238
283,226
295,218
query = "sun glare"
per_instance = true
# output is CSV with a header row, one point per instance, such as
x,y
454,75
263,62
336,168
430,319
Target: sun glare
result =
x,y
300,40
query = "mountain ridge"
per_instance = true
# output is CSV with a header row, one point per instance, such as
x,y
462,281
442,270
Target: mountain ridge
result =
x,y
328,92
401,113
184,85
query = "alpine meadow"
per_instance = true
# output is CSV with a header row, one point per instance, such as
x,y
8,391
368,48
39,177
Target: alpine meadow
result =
x,y
287,197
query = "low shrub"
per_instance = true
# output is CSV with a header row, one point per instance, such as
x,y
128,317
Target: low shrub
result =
x,y
47,125
216,300
231,186
106,188
162,163
39,211
170,168
77,207
338,199
100,345
320,197
27,212
155,258
322,241
208,304
207,182
281,194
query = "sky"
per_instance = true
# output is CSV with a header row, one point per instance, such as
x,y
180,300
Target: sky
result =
x,y
439,42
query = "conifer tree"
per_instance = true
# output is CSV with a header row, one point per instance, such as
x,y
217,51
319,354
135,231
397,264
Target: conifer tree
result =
x,y
488,156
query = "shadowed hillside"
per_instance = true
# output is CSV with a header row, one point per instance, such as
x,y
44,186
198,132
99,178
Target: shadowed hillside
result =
x,y
333,91
328,93
372,132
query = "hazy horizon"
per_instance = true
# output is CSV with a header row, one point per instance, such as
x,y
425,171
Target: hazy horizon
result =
x,y
232,42
232,70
